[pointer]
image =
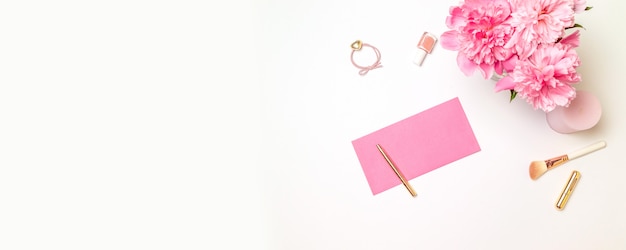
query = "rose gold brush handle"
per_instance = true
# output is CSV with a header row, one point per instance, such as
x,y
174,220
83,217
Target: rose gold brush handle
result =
x,y
556,161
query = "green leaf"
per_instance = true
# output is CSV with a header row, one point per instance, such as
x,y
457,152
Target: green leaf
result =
x,y
513,95
576,26
588,8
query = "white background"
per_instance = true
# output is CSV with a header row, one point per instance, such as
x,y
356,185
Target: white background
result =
x,y
228,125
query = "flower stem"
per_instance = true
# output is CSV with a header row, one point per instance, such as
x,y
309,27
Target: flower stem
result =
x,y
513,95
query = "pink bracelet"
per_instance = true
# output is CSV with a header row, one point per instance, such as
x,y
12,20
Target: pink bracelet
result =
x,y
356,46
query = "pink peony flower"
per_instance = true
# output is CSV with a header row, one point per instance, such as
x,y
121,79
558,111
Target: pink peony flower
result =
x,y
545,79
507,83
479,31
537,22
522,40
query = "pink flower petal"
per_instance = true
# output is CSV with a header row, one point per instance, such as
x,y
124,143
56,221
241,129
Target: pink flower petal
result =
x,y
455,19
466,66
499,68
572,40
486,70
509,64
449,40
506,83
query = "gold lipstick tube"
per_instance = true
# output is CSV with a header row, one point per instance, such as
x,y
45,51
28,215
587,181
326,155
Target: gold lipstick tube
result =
x,y
567,190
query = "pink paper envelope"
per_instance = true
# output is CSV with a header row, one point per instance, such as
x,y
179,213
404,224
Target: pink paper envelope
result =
x,y
416,145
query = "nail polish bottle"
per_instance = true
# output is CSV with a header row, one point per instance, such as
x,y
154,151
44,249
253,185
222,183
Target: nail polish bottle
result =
x,y
424,47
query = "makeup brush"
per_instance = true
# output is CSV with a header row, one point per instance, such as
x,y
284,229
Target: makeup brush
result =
x,y
538,168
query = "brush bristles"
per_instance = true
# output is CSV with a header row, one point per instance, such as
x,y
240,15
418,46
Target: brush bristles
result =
x,y
537,168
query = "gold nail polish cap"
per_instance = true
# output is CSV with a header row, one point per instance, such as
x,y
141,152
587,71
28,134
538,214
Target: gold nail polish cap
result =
x,y
567,190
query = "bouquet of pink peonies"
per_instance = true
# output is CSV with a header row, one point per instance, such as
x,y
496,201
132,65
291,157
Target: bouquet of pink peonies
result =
x,y
524,41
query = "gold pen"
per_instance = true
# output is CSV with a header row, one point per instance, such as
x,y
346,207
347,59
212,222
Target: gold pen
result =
x,y
398,173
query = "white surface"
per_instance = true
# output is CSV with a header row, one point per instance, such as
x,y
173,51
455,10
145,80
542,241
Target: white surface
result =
x,y
194,125
315,104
